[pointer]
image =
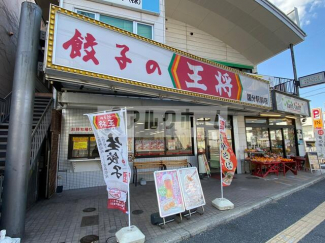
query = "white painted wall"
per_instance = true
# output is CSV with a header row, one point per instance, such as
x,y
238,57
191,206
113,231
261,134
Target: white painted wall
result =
x,y
240,140
301,148
178,35
157,21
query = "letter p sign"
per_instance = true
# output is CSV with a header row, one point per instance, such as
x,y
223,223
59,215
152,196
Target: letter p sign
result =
x,y
316,113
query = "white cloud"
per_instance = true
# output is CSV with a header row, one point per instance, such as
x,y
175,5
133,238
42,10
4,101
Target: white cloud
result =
x,y
306,8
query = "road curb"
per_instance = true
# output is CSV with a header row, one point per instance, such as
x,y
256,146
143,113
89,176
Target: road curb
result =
x,y
207,224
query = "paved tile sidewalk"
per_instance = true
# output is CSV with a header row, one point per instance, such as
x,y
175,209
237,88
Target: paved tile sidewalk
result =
x,y
58,219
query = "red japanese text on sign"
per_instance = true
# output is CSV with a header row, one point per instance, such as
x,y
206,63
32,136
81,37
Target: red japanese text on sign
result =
x,y
123,59
203,78
106,121
76,43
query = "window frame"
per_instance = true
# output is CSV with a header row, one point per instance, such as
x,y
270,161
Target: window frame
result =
x,y
165,145
135,23
70,146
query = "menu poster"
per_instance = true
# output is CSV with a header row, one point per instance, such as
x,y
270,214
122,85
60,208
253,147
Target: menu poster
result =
x,y
312,161
153,145
130,143
169,195
160,145
171,144
191,188
146,145
204,167
138,145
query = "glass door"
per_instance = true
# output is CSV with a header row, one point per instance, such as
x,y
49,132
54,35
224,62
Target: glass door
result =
x,y
289,142
213,153
277,141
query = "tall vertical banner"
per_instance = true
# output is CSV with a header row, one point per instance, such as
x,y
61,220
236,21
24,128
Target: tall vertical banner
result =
x,y
111,137
228,159
320,143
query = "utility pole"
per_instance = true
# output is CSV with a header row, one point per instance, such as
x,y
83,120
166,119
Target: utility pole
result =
x,y
296,82
20,123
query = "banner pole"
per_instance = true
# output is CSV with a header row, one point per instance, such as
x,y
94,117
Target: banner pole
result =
x,y
127,151
220,158
220,161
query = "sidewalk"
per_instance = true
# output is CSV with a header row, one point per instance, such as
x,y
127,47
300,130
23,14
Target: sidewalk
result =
x,y
61,218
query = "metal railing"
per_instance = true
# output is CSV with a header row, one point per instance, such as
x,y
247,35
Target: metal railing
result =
x,y
40,131
5,108
285,85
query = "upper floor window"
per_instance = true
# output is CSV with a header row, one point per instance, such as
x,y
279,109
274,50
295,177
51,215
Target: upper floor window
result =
x,y
142,29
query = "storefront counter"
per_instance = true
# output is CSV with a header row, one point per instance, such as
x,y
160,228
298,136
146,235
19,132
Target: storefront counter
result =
x,y
83,165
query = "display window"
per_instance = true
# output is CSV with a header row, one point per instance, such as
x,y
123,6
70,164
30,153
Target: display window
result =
x,y
258,137
82,146
170,137
275,135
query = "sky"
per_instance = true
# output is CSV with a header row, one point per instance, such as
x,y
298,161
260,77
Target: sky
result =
x,y
309,55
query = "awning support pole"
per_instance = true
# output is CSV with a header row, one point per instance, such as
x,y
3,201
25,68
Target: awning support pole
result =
x,y
296,83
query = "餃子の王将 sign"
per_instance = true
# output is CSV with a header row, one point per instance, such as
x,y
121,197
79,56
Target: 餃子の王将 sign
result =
x,y
90,50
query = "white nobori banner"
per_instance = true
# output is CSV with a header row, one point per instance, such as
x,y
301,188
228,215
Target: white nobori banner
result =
x,y
111,137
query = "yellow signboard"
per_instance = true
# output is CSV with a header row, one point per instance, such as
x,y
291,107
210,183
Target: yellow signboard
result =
x,y
80,145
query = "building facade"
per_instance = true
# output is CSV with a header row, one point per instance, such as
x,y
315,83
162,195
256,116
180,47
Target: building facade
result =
x,y
198,30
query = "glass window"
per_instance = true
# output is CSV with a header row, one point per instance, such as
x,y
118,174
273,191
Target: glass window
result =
x,y
276,141
144,30
149,138
119,23
289,141
200,136
257,137
179,137
87,14
82,146
172,136
280,121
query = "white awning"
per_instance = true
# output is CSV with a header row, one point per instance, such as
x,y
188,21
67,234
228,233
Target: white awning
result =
x,y
255,28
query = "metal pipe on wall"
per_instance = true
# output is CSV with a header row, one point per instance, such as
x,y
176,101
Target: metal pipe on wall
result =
x,y
20,123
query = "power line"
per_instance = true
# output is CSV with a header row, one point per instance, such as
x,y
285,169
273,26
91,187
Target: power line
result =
x,y
312,91
314,94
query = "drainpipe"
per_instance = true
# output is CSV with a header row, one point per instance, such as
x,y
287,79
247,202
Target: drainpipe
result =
x,y
20,123
296,83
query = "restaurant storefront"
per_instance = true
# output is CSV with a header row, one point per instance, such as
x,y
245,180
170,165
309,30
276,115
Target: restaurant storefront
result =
x,y
94,74
273,135
277,132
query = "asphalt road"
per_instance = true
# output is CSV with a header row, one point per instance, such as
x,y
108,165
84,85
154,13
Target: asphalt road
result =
x,y
264,223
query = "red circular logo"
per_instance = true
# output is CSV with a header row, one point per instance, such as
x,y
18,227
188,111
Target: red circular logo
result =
x,y
321,132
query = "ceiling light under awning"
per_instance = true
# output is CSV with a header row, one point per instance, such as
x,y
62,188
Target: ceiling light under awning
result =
x,y
270,115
